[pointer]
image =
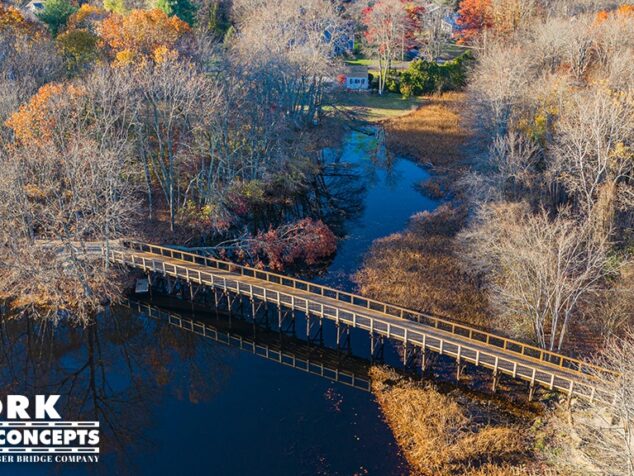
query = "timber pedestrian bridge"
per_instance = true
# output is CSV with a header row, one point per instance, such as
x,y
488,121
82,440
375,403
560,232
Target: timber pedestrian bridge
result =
x,y
413,330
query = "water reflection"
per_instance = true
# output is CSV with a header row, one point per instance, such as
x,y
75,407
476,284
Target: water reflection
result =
x,y
175,402
374,193
268,344
168,399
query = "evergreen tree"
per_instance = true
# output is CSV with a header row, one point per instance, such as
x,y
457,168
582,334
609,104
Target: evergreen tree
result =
x,y
183,9
55,14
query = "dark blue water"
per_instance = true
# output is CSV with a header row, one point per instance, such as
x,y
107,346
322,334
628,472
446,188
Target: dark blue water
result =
x,y
172,402
390,196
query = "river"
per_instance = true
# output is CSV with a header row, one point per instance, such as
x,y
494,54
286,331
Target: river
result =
x,y
173,402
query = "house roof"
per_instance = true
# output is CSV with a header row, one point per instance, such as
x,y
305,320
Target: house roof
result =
x,y
358,71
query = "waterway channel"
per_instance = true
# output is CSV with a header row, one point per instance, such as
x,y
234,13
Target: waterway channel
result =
x,y
173,402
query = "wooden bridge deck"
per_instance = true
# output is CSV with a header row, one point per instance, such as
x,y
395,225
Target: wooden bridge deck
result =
x,y
463,343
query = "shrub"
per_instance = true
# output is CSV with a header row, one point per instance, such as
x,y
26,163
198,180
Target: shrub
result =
x,y
425,77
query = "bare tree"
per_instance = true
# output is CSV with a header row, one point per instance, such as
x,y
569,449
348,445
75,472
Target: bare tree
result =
x,y
538,268
65,183
607,434
170,96
286,49
592,153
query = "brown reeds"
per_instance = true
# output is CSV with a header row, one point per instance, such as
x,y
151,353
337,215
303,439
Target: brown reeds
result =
x,y
435,432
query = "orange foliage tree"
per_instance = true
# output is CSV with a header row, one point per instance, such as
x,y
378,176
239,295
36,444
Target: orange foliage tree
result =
x,y
142,35
13,22
87,17
34,124
474,16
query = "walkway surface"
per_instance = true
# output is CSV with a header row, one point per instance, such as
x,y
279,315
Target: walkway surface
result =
x,y
412,329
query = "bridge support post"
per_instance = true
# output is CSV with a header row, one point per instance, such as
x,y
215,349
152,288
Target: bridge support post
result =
x,y
495,381
318,335
531,391
458,369
343,336
376,347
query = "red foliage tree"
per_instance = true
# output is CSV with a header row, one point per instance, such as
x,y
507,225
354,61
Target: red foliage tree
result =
x,y
474,16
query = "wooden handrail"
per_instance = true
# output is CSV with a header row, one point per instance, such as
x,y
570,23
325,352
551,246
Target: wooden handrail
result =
x,y
545,356
504,364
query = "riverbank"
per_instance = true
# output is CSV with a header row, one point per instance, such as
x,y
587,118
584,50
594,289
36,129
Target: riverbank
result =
x,y
437,433
420,268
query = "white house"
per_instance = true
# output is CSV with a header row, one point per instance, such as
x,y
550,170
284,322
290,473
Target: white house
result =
x,y
35,6
357,77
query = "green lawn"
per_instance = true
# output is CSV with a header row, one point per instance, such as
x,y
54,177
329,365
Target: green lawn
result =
x,y
372,107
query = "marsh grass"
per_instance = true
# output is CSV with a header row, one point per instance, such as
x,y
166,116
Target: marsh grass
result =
x,y
432,134
436,433
420,268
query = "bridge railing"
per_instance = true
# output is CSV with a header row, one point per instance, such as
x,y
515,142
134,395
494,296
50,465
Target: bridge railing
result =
x,y
459,329
496,360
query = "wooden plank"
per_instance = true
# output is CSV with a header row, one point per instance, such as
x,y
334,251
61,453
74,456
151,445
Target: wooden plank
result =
x,y
327,305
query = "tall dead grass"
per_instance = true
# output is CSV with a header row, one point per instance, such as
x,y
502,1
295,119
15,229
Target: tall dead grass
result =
x,y
419,268
435,432
432,134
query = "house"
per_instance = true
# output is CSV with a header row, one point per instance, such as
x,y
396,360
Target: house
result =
x,y
35,6
449,24
31,10
357,78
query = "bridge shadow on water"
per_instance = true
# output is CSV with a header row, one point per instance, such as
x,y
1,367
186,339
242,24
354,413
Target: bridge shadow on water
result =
x,y
339,353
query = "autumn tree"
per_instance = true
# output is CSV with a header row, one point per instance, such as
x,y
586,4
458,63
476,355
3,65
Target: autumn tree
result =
x,y
79,48
391,27
474,18
87,17
142,36
29,59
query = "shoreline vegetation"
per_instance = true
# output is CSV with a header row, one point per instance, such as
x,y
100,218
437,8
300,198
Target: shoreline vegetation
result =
x,y
437,433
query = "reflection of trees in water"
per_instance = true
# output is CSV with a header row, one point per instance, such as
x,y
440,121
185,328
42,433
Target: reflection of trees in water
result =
x,y
335,189
115,371
346,174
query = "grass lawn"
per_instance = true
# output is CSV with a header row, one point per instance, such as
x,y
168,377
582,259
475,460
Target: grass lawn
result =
x,y
372,107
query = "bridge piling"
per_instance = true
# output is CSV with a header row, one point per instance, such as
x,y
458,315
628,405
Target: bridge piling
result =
x,y
442,336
